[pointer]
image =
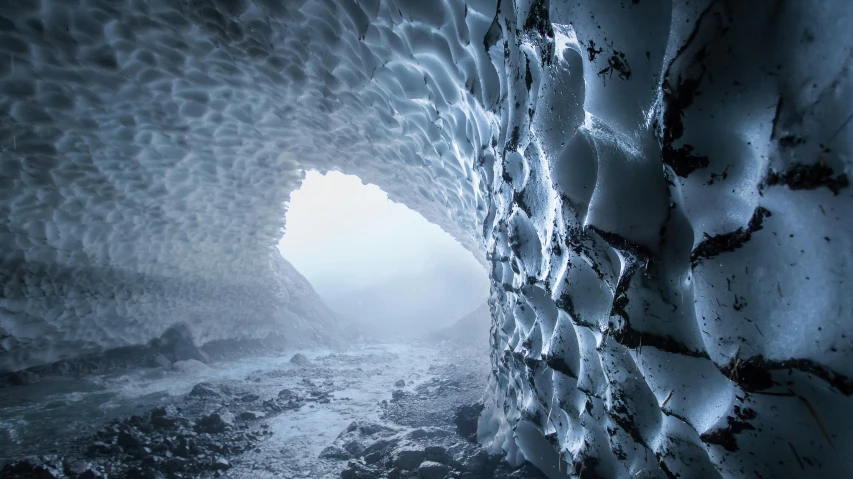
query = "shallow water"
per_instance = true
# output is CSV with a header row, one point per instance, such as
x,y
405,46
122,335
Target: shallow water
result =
x,y
45,417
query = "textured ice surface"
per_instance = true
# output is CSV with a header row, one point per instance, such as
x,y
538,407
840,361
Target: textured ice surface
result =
x,y
660,187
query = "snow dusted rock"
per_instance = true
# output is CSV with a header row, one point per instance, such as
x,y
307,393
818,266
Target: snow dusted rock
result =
x,y
189,366
660,190
357,439
206,390
301,360
432,470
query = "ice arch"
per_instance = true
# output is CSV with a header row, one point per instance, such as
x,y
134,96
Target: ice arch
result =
x,y
659,188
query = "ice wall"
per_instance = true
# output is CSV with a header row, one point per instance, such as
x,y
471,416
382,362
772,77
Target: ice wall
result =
x,y
660,187
670,239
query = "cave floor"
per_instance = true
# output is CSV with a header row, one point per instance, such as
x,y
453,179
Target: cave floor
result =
x,y
280,415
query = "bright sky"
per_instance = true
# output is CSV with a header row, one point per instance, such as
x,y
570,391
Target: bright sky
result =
x,y
345,236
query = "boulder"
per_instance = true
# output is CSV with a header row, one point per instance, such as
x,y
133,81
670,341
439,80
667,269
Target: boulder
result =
x,y
466,420
23,378
251,415
205,390
214,423
408,457
432,470
300,360
177,344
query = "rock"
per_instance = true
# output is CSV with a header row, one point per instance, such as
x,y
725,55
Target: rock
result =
x,y
175,464
143,473
300,359
400,384
250,398
76,467
397,395
90,474
163,418
466,420
251,415
432,470
31,468
286,394
184,448
23,378
336,452
214,423
97,448
163,411
408,457
127,440
205,390
177,344
357,470
189,366
152,461
468,457
373,457
160,361
437,454
221,464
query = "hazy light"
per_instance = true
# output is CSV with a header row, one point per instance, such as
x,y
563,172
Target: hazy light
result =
x,y
376,259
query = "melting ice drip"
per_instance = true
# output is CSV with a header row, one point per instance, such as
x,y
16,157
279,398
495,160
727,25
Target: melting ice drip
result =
x,y
660,189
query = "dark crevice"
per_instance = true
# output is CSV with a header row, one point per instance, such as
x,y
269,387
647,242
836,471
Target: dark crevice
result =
x,y
754,374
723,243
809,177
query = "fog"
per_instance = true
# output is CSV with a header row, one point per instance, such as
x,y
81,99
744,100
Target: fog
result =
x,y
376,261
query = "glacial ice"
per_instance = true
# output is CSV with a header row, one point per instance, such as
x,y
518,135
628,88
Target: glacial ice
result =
x,y
660,190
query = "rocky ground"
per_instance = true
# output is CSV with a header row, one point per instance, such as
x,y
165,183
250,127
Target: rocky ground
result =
x,y
387,412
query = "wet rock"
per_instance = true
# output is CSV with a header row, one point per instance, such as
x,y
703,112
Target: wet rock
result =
x,y
357,470
160,361
466,420
214,423
251,415
23,378
205,390
300,360
143,473
128,440
359,438
221,464
165,418
91,474
75,467
177,344
31,468
373,457
408,457
97,448
432,470
175,464
152,461
191,366
437,454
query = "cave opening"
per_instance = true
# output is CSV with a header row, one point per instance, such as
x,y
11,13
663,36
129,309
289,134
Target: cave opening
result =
x,y
383,268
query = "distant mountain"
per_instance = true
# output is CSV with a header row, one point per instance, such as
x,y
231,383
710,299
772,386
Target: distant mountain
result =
x,y
470,330
412,305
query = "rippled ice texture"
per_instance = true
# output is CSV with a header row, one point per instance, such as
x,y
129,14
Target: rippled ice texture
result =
x,y
660,189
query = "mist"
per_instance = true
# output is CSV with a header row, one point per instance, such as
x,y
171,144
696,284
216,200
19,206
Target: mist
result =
x,y
377,262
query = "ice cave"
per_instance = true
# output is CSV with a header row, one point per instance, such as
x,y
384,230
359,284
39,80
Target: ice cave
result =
x,y
655,190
